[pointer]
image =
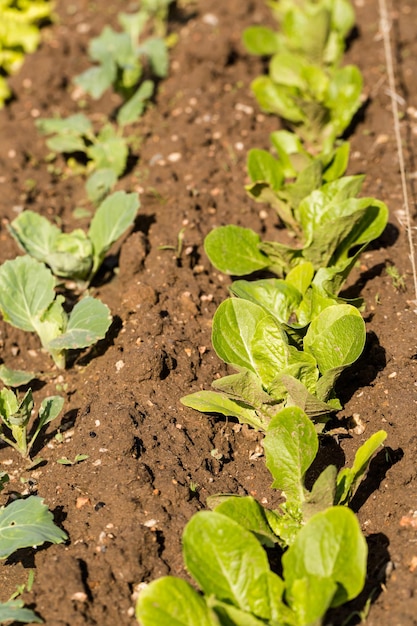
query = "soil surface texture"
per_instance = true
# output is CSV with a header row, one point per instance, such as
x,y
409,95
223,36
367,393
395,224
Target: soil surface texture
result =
x,y
152,462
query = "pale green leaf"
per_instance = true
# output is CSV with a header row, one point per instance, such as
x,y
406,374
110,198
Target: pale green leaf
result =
x,y
235,250
88,322
14,611
26,523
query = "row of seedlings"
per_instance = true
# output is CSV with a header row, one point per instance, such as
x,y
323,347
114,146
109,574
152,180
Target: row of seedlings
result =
x,y
289,338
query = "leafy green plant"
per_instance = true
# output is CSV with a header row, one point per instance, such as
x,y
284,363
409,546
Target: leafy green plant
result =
x,y
77,459
272,371
123,59
232,570
19,35
106,152
312,30
28,301
335,226
222,549
15,415
14,610
76,255
285,181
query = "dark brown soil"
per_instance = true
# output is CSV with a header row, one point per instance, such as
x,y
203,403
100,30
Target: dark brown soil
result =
x,y
150,464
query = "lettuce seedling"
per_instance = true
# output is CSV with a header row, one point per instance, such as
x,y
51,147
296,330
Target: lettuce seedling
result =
x,y
105,152
27,523
313,30
124,58
239,587
16,415
317,105
274,373
28,301
284,182
335,227
19,35
76,255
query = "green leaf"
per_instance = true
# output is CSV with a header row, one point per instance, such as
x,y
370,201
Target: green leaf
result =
x,y
261,40
15,378
112,218
336,337
74,125
291,445
171,601
348,479
26,523
96,80
14,611
35,234
26,291
235,250
50,408
276,296
135,106
322,495
328,557
228,562
212,402
89,321
156,51
249,514
100,183
234,325
109,151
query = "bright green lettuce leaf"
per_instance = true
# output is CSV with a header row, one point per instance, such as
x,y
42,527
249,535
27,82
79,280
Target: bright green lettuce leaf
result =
x,y
235,250
326,564
290,444
249,514
108,151
261,40
228,562
348,479
213,402
26,523
276,296
15,611
88,322
171,601
112,218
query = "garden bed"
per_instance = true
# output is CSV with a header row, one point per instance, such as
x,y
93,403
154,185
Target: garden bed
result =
x,y
152,462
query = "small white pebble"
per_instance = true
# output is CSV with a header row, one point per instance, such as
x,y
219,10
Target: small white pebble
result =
x,y
210,19
119,365
150,523
174,157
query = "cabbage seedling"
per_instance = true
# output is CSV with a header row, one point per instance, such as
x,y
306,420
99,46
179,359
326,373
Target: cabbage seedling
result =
x,y
28,301
16,415
76,255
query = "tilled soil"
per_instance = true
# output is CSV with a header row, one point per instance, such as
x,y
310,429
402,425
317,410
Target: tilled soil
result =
x,y
151,462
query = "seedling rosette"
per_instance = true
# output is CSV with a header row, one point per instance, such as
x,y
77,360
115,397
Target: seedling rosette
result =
x,y
28,301
76,255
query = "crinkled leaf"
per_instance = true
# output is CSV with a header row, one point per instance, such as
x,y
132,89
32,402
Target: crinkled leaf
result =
x,y
171,601
277,297
25,523
26,291
88,322
290,444
235,250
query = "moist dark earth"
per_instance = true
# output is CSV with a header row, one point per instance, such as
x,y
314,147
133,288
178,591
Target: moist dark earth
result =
x,y
152,462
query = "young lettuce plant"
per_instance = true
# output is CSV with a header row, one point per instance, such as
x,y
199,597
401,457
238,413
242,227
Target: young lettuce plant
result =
x,y
272,371
313,30
16,415
123,59
284,182
28,301
335,226
291,445
106,152
76,255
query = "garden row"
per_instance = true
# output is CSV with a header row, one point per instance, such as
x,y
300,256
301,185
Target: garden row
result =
x,y
289,337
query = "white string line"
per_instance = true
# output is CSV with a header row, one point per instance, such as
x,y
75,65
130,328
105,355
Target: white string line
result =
x,y
385,30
